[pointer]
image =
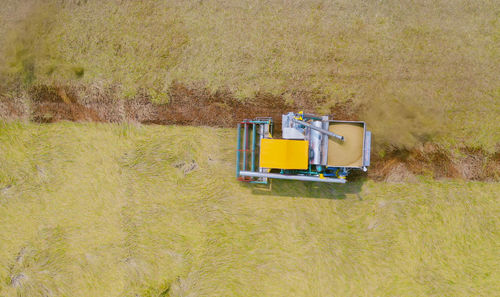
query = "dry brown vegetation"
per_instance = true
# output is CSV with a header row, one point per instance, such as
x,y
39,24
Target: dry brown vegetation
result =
x,y
418,73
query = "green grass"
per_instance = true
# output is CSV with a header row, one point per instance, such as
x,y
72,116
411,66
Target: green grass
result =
x,y
111,210
425,71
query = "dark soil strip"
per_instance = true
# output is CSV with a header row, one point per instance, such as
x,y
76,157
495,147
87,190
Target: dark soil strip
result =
x,y
187,106
468,164
198,106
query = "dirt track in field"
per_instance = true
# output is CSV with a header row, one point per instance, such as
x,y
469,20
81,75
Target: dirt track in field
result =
x,y
187,106
198,106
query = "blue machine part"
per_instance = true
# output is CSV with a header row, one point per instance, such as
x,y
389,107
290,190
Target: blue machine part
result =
x,y
339,172
367,150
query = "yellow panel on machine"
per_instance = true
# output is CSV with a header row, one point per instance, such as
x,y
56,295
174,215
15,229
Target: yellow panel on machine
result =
x,y
284,153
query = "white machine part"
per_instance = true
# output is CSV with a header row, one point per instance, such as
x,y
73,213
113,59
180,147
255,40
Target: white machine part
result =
x,y
290,129
315,144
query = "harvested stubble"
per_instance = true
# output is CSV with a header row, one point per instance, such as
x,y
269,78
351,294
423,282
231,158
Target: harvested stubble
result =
x,y
120,210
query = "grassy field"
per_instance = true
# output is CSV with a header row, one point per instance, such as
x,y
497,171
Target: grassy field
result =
x,y
423,71
130,210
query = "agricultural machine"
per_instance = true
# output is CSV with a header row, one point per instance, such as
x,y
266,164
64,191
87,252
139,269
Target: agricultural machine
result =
x,y
312,148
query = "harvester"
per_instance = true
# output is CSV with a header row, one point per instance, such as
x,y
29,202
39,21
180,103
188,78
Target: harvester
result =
x,y
312,148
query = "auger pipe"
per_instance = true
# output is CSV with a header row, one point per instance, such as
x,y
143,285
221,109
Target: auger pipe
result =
x,y
331,134
292,177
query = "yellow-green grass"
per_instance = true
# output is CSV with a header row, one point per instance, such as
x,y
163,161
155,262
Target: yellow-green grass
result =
x,y
425,71
120,210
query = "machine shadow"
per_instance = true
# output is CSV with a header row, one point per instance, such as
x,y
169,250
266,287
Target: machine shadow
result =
x,y
303,189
